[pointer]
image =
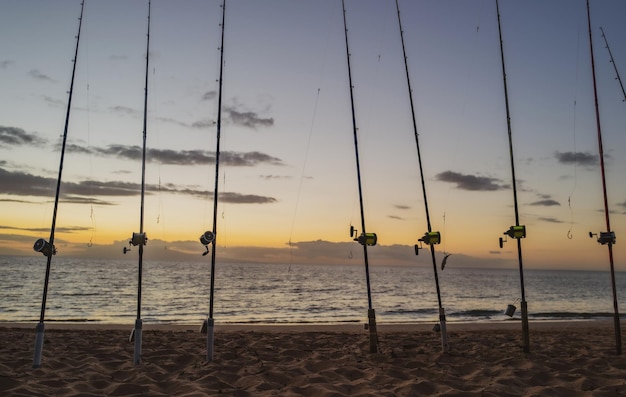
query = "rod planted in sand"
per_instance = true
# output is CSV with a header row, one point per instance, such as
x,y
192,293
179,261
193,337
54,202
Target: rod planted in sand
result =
x,y
518,231
364,239
140,239
47,247
606,238
210,322
442,313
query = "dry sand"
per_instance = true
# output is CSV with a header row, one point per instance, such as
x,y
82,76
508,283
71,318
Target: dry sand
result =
x,y
566,359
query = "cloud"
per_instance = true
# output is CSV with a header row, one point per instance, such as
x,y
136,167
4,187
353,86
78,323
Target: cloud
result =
x,y
87,192
180,157
209,95
248,159
550,220
271,177
72,148
13,136
172,121
248,119
52,101
65,229
16,201
24,184
6,63
402,207
546,203
85,200
582,158
203,123
36,74
396,217
124,110
471,182
237,198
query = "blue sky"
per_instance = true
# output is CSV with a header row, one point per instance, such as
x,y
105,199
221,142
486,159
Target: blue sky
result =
x,y
288,170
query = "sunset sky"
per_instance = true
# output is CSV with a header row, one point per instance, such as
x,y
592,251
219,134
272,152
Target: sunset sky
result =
x,y
288,162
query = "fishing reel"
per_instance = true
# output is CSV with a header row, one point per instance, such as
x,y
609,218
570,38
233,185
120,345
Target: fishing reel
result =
x,y
136,239
207,238
364,238
516,232
429,238
44,247
605,237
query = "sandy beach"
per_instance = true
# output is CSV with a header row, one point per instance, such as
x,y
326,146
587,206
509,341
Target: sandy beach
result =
x,y
566,359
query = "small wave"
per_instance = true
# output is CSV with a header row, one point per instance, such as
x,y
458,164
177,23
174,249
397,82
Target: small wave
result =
x,y
572,315
477,313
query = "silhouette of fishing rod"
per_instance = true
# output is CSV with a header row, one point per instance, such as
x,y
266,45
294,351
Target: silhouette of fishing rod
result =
x,y
605,238
140,239
209,236
517,232
618,78
365,239
430,238
47,248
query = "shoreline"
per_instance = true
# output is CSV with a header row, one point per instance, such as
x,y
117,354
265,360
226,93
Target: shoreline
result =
x,y
505,325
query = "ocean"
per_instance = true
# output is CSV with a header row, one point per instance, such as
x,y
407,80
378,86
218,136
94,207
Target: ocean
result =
x,y
105,291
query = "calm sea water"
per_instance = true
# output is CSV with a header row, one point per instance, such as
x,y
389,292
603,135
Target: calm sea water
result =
x,y
82,290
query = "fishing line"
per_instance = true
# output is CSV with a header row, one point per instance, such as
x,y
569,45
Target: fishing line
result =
x,y
91,212
223,228
92,217
311,128
463,112
304,163
570,234
154,96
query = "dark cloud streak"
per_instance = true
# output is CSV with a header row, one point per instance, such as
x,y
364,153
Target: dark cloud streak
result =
x,y
36,74
248,119
13,136
546,203
471,182
180,157
64,229
582,158
86,192
207,96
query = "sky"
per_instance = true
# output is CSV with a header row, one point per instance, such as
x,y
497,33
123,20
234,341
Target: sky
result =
x,y
287,177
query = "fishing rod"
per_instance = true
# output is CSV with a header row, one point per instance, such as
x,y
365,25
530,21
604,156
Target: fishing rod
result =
x,y
518,231
365,239
614,65
47,248
209,236
604,238
430,238
140,239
